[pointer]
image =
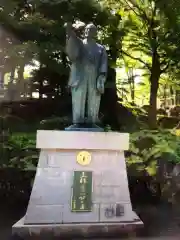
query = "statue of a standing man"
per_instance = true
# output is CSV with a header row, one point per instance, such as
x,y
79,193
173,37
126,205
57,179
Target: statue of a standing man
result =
x,y
88,73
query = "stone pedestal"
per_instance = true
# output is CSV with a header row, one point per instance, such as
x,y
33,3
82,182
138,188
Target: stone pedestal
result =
x,y
50,205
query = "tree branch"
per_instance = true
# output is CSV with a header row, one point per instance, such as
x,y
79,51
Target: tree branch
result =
x,y
132,8
141,13
137,59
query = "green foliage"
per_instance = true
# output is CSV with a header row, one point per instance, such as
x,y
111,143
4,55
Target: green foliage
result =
x,y
152,39
107,128
35,31
143,121
134,109
148,148
18,151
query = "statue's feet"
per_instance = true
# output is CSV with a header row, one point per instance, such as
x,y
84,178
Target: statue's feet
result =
x,y
85,127
74,126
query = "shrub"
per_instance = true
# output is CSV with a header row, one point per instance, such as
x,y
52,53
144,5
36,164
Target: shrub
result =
x,y
19,151
135,110
175,111
36,109
15,189
143,120
12,123
162,112
55,123
148,149
15,124
168,122
150,160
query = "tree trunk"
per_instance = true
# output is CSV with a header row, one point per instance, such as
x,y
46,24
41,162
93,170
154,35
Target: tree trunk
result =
x,y
177,97
40,81
64,84
132,85
110,101
172,97
21,73
110,98
12,74
153,104
130,79
165,95
2,74
154,80
40,89
133,91
20,81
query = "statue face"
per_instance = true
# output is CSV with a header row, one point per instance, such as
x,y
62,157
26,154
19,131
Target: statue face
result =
x,y
90,31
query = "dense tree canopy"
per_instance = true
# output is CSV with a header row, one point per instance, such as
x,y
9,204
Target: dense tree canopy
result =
x,y
152,39
142,39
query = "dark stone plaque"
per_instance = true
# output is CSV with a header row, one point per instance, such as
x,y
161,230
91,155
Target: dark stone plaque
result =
x,y
81,199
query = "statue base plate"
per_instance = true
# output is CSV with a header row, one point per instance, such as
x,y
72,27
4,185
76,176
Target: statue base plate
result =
x,y
79,230
85,127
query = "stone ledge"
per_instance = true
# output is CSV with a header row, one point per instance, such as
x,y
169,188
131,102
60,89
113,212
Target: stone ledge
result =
x,y
47,231
112,141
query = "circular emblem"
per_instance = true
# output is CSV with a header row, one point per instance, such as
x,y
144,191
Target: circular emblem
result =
x,y
84,158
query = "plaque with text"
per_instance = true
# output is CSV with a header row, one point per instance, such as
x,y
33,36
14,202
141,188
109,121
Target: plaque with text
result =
x,y
81,199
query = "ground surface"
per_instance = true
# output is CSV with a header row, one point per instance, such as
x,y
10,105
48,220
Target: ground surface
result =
x,y
161,223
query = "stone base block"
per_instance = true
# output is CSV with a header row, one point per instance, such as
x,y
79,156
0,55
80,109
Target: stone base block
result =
x,y
49,214
54,231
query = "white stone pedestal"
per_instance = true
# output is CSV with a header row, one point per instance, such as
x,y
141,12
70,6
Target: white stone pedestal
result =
x,y
49,207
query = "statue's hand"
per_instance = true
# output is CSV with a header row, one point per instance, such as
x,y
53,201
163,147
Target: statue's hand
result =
x,y
100,83
69,28
75,84
68,25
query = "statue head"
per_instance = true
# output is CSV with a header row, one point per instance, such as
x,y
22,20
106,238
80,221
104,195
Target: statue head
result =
x,y
90,31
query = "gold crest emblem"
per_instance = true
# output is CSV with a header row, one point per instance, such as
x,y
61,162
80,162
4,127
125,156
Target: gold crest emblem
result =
x,y
84,158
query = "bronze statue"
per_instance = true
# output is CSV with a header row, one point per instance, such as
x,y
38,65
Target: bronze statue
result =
x,y
88,73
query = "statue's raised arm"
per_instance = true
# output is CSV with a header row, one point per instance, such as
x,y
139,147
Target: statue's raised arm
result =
x,y
73,43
